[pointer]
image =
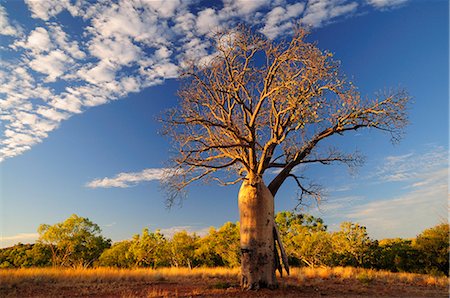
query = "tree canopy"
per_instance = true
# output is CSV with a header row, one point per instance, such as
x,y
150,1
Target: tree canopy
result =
x,y
77,241
260,104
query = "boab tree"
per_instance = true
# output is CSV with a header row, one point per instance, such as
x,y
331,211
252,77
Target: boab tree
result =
x,y
259,105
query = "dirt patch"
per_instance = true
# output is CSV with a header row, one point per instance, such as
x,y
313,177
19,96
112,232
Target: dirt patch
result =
x,y
211,286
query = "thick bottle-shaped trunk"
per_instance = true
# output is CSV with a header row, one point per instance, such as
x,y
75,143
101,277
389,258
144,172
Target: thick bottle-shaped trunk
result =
x,y
256,209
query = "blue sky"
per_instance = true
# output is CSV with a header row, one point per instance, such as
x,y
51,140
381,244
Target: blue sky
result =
x,y
82,85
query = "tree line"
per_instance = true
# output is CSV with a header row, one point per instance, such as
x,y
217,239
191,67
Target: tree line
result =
x,y
77,242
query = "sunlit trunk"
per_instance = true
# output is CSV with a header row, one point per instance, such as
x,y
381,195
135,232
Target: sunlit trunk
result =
x,y
256,209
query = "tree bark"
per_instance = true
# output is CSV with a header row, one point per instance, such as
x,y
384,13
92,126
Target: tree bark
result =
x,y
256,209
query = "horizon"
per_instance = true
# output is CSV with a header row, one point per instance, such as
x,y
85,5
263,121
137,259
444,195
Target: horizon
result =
x,y
82,86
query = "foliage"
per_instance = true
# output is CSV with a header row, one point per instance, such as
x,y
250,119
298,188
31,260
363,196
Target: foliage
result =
x,y
182,249
25,255
307,243
305,238
74,242
119,255
433,245
149,249
398,255
220,247
352,246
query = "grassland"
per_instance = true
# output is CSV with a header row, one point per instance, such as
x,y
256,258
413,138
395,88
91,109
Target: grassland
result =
x,y
214,282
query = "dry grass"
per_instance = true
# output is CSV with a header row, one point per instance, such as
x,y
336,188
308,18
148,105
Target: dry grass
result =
x,y
368,275
113,274
213,282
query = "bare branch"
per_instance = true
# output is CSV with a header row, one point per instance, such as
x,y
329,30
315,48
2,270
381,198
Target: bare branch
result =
x,y
238,113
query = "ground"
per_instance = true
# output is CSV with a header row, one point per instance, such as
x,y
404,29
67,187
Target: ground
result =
x,y
215,282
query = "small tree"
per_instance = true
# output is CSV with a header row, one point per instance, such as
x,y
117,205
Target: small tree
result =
x,y
77,241
352,245
182,249
149,249
398,255
260,105
119,255
433,245
305,238
220,247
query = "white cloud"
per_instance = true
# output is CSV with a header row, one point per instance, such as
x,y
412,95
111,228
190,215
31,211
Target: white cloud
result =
x,y
207,21
184,24
5,27
169,232
7,241
45,9
38,41
52,113
319,12
121,51
104,71
279,19
123,180
53,65
385,3
413,166
67,102
130,84
343,9
110,225
165,9
421,204
407,214
125,46
71,48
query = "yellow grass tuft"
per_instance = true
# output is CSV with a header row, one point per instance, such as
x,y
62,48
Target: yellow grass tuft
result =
x,y
112,274
366,276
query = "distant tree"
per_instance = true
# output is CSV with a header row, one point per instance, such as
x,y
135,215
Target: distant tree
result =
x,y
288,222
305,238
75,242
149,249
220,247
352,245
118,255
398,255
25,255
182,249
260,105
433,245
40,255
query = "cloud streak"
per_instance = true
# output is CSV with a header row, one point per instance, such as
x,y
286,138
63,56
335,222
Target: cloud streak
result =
x,y
386,3
124,180
422,203
419,208
125,46
6,241
169,232
6,28
413,166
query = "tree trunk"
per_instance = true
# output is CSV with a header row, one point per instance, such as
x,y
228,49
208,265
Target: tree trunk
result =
x,y
256,209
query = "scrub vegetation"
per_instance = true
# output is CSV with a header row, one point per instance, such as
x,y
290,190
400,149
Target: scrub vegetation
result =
x,y
214,282
341,263
77,243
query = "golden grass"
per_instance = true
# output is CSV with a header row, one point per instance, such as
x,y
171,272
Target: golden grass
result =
x,y
102,274
368,275
113,274
211,282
